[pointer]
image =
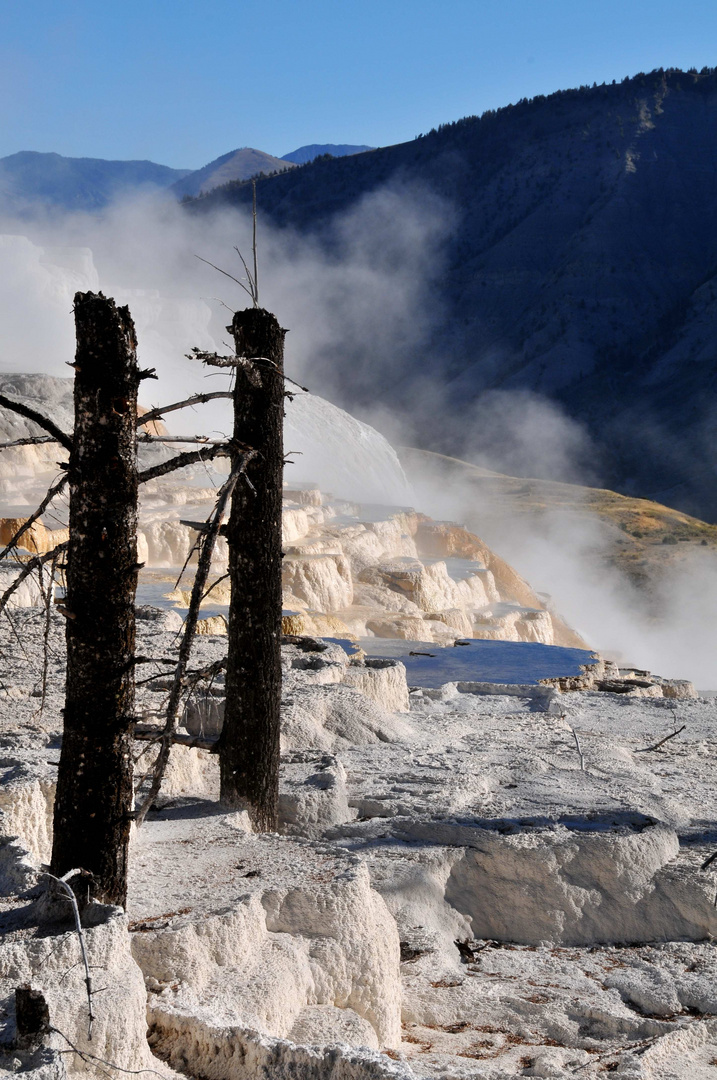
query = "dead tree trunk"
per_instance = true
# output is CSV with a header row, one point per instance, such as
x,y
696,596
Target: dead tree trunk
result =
x,y
249,743
94,789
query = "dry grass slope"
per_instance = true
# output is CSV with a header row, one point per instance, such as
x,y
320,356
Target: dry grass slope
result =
x,y
647,536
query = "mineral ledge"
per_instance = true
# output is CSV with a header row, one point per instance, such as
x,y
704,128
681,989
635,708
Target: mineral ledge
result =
x,y
455,890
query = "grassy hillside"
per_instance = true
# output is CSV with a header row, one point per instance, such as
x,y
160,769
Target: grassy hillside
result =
x,y
639,537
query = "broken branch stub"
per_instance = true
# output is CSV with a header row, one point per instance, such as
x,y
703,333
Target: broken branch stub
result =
x,y
94,789
249,743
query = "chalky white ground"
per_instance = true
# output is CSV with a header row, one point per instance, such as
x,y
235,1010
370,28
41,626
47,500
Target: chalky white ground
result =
x,y
472,820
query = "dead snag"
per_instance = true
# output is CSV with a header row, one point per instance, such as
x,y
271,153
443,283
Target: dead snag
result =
x,y
94,788
249,743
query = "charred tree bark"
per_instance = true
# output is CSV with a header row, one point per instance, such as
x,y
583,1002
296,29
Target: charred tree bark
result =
x,y
94,789
249,743
32,1017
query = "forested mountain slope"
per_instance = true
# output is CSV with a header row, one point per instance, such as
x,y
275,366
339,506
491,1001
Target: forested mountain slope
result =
x,y
581,264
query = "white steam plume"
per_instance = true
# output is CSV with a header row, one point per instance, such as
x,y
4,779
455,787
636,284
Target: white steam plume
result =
x,y
364,302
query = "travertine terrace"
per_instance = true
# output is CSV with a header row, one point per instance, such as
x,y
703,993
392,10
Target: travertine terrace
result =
x,y
471,879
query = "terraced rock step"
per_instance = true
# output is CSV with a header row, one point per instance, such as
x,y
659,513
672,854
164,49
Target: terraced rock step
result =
x,y
279,935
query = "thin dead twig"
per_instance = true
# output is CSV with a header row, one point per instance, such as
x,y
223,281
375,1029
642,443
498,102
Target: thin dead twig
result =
x,y
69,895
215,360
251,284
253,246
226,274
657,745
212,358
202,673
224,577
91,1058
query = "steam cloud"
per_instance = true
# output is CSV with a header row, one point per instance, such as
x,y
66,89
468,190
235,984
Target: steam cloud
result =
x,y
361,297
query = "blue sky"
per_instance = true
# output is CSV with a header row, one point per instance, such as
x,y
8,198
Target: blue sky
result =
x,y
182,81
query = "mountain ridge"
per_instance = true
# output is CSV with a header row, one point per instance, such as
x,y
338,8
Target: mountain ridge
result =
x,y
30,179
304,154
582,268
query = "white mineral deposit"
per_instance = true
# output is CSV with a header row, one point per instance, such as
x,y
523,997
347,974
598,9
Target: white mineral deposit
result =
x,y
492,849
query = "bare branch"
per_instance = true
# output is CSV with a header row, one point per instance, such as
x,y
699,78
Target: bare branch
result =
x,y
215,360
208,541
29,441
198,399
256,268
657,745
295,383
69,895
224,577
580,753
248,272
251,287
53,491
219,301
28,569
230,276
46,632
91,1059
193,677
152,733
145,437
37,418
274,366
179,462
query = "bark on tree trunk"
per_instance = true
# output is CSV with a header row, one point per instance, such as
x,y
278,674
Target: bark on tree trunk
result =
x,y
249,743
94,789
32,1017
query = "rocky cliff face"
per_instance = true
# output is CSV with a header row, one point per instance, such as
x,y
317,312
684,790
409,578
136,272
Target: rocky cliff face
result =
x,y
580,266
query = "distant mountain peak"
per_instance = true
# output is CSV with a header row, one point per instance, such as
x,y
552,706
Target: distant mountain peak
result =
x,y
238,164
